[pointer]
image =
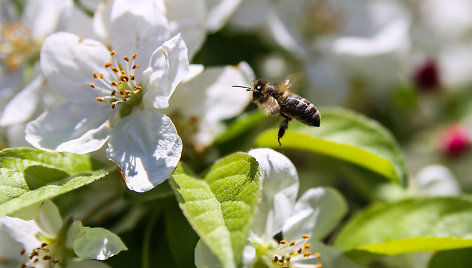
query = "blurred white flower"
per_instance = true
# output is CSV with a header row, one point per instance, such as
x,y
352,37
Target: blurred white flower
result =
x,y
435,180
20,43
204,99
301,223
191,18
450,23
113,99
44,240
337,41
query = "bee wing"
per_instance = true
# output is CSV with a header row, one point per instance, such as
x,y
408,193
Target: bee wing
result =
x,y
271,106
293,82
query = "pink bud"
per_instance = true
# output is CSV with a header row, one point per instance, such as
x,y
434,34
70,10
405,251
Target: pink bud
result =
x,y
426,76
454,140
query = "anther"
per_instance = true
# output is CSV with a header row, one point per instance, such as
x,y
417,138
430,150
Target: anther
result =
x,y
44,245
317,255
113,52
123,78
95,76
113,93
46,257
306,254
101,75
306,245
283,242
135,55
276,258
126,58
135,66
292,243
115,70
319,265
305,236
299,251
108,64
113,104
131,77
138,87
92,85
23,251
114,83
100,99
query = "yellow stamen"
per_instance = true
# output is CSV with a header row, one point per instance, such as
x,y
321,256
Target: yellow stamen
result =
x,y
108,64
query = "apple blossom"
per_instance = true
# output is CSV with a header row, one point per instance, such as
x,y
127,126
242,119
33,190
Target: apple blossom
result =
x,y
44,240
301,223
112,99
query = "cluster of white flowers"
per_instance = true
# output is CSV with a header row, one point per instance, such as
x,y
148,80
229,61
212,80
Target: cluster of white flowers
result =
x,y
108,79
380,42
44,240
299,224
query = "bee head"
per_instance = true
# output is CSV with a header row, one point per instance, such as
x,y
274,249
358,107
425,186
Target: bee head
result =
x,y
258,86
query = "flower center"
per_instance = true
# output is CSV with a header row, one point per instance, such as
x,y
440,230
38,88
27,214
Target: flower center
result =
x,y
43,256
122,88
288,254
17,46
320,18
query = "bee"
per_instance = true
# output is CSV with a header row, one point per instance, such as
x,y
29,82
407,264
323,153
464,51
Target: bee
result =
x,y
277,99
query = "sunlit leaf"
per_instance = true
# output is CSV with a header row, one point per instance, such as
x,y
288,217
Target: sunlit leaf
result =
x,y
220,206
29,176
429,223
345,135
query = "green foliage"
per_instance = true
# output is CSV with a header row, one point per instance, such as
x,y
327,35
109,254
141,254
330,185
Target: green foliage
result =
x,y
29,176
220,206
429,223
345,135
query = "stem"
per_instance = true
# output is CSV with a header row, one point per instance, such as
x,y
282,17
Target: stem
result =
x,y
147,240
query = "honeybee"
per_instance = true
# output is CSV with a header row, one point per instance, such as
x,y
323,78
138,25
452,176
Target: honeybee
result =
x,y
277,99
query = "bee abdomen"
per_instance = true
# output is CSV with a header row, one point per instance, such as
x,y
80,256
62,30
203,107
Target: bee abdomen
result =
x,y
301,109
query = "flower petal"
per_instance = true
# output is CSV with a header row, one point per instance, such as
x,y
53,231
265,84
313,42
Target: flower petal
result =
x,y
74,127
45,17
218,13
167,67
68,63
146,147
97,243
20,231
316,213
189,21
208,98
279,191
22,107
49,219
144,26
204,257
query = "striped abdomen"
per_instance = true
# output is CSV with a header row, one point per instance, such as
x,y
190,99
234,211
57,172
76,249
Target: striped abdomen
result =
x,y
300,109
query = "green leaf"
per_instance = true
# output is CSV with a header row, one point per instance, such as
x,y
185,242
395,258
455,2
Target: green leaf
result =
x,y
29,176
428,223
220,206
458,258
345,135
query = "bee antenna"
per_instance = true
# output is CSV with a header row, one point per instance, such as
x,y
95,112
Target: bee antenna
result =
x,y
247,88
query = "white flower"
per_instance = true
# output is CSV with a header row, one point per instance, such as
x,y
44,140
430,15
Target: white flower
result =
x,y
113,99
301,223
19,48
206,98
435,180
43,240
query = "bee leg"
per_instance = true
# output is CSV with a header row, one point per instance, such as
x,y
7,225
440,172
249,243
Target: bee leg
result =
x,y
283,127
